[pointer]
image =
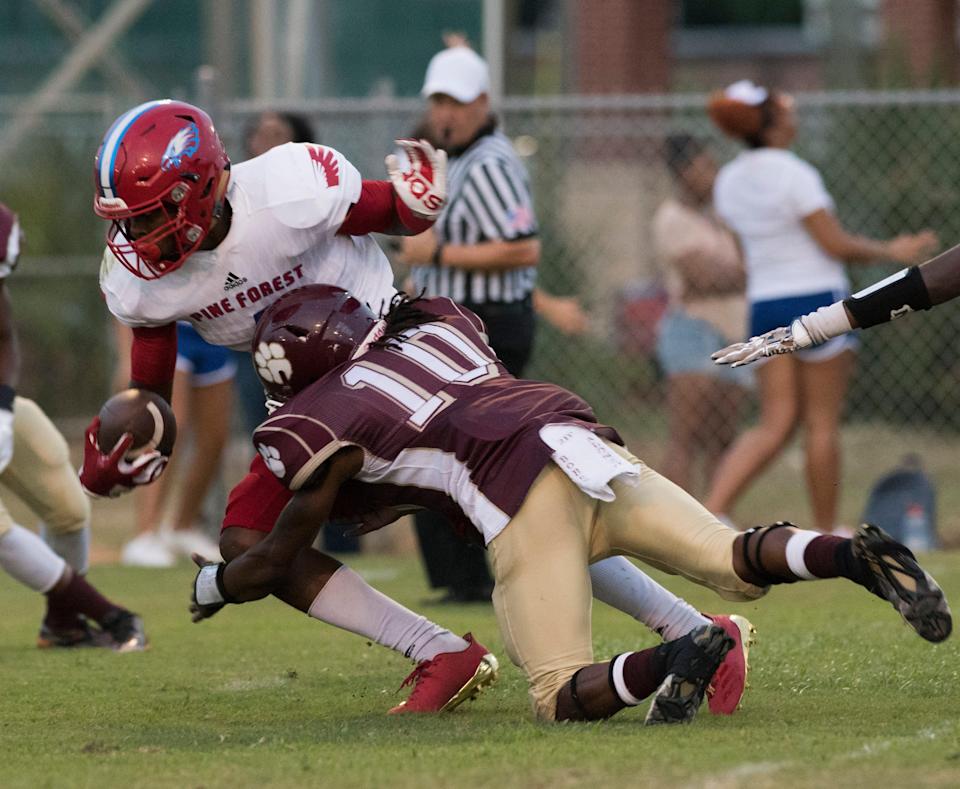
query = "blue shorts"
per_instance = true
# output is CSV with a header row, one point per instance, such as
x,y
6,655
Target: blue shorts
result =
x,y
773,313
684,345
207,364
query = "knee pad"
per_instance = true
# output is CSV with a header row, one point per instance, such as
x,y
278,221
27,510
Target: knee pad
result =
x,y
752,543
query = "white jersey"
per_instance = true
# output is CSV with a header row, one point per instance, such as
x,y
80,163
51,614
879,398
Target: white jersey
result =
x,y
287,207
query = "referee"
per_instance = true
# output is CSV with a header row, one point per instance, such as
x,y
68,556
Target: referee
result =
x,y
483,253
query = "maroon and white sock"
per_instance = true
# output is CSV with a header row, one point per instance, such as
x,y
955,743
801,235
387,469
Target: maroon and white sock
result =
x,y
812,555
635,675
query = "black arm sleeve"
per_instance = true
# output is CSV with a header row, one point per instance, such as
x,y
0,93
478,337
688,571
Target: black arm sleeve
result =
x,y
889,299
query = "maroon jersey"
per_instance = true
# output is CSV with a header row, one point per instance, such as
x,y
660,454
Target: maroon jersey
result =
x,y
441,422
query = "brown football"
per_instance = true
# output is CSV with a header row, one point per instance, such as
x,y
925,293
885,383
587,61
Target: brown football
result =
x,y
143,413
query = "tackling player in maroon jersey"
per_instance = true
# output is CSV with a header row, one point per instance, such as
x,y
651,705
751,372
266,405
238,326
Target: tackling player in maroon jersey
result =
x,y
193,238
376,416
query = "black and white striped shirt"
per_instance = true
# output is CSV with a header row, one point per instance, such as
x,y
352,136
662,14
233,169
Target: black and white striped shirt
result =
x,y
489,199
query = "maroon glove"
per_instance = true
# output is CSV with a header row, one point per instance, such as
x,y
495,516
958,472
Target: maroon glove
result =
x,y
112,475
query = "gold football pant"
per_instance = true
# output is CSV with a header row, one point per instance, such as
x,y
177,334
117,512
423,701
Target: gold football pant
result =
x,y
540,560
40,473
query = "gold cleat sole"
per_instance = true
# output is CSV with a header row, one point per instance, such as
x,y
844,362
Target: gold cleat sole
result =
x,y
485,675
748,637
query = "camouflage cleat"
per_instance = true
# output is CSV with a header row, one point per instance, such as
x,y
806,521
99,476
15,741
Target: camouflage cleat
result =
x,y
82,635
451,678
695,660
727,686
125,630
893,574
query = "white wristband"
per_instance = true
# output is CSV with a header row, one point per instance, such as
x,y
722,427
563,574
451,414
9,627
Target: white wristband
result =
x,y
205,587
825,323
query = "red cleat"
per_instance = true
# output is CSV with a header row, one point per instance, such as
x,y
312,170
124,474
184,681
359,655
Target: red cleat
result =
x,y
449,679
726,688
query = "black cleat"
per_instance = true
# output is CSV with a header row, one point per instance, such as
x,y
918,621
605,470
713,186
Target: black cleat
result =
x,y
893,574
79,636
695,659
126,631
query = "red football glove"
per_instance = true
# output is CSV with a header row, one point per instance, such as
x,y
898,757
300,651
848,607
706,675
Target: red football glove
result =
x,y
422,186
112,475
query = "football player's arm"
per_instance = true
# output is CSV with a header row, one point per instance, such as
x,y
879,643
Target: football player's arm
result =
x,y
909,290
409,203
377,212
153,359
261,569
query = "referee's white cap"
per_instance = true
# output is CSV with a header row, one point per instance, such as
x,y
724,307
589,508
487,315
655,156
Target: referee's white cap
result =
x,y
458,72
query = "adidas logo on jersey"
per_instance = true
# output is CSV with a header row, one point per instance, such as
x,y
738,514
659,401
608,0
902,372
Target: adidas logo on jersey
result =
x,y
233,281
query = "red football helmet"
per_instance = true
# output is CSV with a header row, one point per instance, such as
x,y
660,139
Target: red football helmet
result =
x,y
306,333
162,157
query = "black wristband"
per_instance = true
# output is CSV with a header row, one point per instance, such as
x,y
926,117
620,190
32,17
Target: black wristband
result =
x,y
7,393
889,299
220,586
436,255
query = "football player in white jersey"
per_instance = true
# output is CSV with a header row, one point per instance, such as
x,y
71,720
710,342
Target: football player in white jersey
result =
x,y
35,465
192,239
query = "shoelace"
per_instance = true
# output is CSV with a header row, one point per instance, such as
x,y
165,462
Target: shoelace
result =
x,y
420,671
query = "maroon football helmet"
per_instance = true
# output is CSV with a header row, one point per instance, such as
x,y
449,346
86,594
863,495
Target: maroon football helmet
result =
x,y
166,157
306,333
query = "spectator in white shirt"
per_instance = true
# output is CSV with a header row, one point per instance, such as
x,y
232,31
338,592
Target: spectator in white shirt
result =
x,y
794,250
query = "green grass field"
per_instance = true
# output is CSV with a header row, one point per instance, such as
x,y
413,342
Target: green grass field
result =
x,y
842,694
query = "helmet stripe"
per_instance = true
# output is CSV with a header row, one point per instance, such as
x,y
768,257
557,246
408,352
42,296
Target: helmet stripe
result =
x,y
111,144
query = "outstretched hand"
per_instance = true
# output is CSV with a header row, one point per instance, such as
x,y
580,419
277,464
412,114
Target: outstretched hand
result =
x,y
422,186
785,339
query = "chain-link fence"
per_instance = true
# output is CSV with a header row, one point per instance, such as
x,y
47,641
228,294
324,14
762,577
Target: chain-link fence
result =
x,y
890,159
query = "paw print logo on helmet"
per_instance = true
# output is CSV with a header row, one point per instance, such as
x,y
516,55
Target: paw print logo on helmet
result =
x,y
313,329
271,456
273,366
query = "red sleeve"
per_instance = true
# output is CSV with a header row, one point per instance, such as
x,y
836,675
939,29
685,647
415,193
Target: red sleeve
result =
x,y
380,210
257,501
153,356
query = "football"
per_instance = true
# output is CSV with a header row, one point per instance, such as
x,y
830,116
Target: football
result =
x,y
143,413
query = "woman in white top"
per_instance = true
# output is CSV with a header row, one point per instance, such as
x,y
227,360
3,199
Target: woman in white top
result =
x,y
794,250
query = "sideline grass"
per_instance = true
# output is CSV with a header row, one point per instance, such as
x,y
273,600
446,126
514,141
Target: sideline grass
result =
x,y
842,694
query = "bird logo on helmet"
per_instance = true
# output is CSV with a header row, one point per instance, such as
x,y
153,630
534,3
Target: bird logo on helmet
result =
x,y
161,174
184,144
306,333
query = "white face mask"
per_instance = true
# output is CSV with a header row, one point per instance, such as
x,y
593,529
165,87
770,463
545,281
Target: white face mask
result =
x,y
272,405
